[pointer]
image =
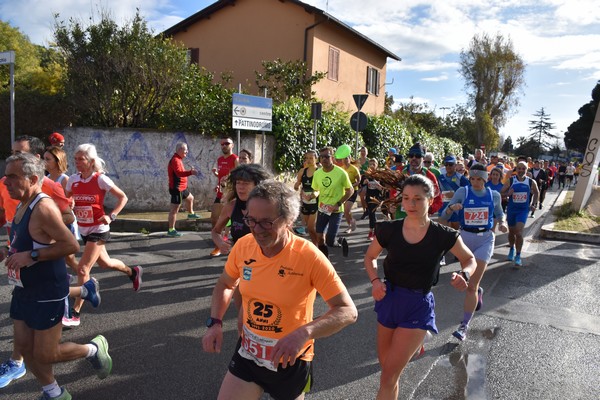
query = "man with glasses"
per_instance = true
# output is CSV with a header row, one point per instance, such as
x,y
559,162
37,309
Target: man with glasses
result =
x,y
278,275
449,182
225,164
415,167
334,188
429,163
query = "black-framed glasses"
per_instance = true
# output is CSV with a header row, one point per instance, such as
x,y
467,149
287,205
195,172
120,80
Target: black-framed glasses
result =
x,y
266,225
427,162
414,155
225,143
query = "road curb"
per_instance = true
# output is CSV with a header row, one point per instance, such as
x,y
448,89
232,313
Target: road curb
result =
x,y
548,232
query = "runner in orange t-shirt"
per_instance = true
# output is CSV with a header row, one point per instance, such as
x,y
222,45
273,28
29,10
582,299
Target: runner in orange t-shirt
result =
x,y
279,276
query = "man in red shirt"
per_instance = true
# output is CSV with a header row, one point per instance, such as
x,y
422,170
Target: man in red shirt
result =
x,y
178,190
225,164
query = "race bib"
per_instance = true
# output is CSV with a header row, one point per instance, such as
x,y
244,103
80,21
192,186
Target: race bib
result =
x,y
306,198
325,208
84,214
257,348
14,277
447,195
519,197
373,185
476,216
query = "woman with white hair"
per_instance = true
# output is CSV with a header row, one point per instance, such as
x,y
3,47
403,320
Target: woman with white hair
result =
x,y
88,188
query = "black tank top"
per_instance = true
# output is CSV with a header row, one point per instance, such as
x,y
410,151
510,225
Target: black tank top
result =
x,y
306,182
238,227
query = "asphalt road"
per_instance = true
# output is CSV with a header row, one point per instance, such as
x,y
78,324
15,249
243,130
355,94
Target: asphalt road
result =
x,y
536,337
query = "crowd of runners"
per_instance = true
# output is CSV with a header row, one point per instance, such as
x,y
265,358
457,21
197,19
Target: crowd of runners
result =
x,y
427,209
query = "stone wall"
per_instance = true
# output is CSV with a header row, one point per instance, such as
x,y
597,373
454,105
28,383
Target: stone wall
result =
x,y
136,160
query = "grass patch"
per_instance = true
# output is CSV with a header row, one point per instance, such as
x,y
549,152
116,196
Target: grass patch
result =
x,y
578,221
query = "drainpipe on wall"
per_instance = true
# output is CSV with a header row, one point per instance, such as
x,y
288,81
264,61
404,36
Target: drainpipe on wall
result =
x,y
306,37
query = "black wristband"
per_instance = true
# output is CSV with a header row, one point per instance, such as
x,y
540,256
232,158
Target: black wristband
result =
x,y
374,279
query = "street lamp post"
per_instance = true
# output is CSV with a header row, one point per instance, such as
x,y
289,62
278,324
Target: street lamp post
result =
x,y
8,57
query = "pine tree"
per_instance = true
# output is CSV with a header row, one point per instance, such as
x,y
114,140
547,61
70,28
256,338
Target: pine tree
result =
x,y
540,131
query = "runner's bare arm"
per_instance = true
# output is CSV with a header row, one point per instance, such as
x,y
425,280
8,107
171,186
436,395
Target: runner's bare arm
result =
x,y
342,312
222,293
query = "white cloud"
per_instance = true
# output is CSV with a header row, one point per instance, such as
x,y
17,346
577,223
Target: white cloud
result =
x,y
438,78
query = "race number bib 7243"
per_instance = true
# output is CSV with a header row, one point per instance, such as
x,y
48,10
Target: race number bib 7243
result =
x,y
476,216
258,349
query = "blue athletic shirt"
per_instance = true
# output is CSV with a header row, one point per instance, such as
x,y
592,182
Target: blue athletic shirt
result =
x,y
466,194
519,200
45,280
477,212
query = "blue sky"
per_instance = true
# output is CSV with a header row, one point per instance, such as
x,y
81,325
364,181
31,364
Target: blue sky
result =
x,y
559,40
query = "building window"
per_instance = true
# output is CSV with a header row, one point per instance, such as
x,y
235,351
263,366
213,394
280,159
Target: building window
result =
x,y
193,56
333,68
373,76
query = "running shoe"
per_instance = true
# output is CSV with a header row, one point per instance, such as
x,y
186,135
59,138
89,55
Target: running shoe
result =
x,y
173,233
532,214
511,254
102,360
93,292
461,332
353,224
300,230
216,252
541,206
518,261
349,230
9,371
345,248
193,216
443,261
479,298
64,395
364,215
73,320
137,280
371,236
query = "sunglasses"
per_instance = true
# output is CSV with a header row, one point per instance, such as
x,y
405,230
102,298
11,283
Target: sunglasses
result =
x,y
225,143
325,156
426,162
413,155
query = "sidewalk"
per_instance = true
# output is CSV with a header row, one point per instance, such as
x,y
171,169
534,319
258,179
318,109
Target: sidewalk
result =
x,y
548,232
147,222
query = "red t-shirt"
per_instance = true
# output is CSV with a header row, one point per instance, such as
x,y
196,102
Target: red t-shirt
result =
x,y
224,166
178,174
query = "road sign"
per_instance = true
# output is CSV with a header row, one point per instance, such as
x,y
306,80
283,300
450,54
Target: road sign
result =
x,y
7,57
358,121
252,113
359,100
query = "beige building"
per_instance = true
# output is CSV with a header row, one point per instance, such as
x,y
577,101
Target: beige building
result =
x,y
237,35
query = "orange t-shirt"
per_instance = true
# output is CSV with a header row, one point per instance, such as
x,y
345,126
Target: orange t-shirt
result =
x,y
278,293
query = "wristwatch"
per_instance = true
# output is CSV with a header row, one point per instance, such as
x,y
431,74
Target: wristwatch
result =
x,y
34,255
213,321
113,216
465,275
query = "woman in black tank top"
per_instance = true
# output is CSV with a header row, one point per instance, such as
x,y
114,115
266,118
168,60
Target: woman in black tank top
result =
x,y
310,198
242,180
